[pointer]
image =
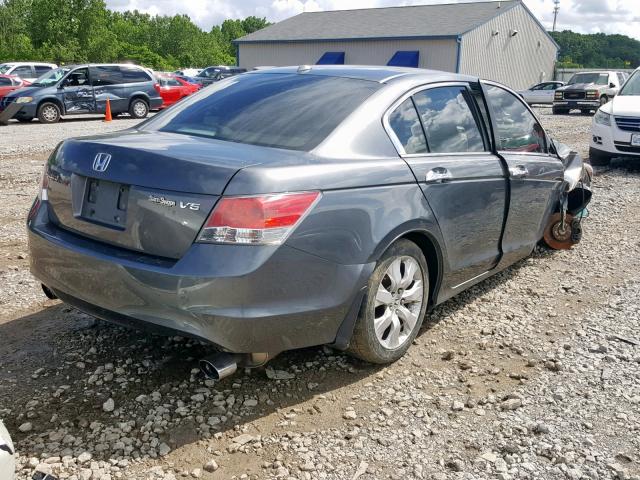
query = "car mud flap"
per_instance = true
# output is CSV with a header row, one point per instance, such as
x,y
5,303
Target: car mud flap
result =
x,y
345,332
9,112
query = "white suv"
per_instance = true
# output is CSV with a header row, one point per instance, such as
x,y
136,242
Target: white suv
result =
x,y
28,71
615,131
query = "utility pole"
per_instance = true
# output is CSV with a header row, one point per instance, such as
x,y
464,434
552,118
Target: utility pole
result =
x,y
556,7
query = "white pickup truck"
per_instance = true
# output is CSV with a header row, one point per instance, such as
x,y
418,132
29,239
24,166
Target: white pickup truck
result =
x,y
587,91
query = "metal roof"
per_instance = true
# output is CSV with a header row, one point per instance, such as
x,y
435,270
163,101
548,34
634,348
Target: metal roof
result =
x,y
418,21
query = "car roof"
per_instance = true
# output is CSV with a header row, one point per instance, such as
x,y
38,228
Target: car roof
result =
x,y
371,73
29,63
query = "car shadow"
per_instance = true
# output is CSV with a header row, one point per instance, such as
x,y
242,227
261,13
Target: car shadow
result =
x,y
54,366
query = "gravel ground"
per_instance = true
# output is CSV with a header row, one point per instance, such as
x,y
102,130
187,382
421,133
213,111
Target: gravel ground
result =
x,y
532,374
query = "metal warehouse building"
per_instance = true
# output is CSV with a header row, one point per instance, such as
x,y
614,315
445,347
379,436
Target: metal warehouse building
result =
x,y
497,40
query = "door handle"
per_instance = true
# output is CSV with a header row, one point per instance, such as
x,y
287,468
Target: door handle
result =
x,y
438,175
519,171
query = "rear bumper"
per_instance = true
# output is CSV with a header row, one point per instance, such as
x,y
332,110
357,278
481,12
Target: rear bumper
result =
x,y
241,298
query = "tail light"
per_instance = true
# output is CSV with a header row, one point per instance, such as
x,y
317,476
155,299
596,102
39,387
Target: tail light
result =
x,y
43,193
256,220
157,87
44,184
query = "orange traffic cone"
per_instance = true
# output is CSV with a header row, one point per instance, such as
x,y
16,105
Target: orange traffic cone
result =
x,y
107,113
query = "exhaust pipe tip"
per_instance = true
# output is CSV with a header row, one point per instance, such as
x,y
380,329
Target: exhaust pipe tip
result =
x,y
219,366
48,292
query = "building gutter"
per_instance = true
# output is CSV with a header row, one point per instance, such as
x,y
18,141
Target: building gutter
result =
x,y
459,53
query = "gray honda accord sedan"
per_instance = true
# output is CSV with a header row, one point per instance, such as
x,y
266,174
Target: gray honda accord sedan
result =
x,y
293,207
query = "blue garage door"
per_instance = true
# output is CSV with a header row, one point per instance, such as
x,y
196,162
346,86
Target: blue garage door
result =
x,y
331,58
405,58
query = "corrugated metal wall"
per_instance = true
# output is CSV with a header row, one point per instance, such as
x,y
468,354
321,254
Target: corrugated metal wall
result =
x,y
436,54
519,61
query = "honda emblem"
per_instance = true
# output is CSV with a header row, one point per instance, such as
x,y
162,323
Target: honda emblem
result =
x,y
101,162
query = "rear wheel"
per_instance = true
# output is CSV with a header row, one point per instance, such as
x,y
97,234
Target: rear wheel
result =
x,y
138,108
393,311
599,158
49,112
603,99
560,111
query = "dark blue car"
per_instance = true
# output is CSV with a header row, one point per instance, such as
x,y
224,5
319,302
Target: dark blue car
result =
x,y
83,89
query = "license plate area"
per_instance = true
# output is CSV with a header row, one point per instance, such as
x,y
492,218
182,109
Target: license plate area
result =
x,y
635,140
105,203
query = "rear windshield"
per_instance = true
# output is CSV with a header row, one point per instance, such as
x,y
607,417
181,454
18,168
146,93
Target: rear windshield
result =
x,y
291,111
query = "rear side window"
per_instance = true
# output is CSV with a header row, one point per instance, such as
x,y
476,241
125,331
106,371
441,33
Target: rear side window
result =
x,y
41,69
448,120
102,76
406,125
288,111
169,82
517,129
5,82
23,71
134,75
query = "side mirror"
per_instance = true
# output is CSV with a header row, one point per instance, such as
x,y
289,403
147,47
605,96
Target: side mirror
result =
x,y
612,85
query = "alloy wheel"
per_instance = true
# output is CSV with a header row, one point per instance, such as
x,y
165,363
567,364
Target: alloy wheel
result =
x,y
398,302
50,113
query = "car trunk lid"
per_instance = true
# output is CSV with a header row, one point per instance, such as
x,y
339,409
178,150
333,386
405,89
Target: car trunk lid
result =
x,y
149,192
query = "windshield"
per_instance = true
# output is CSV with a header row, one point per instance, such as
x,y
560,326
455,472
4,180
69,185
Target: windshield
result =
x,y
51,78
632,86
4,68
287,111
597,78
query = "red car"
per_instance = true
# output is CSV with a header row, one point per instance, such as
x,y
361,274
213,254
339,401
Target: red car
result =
x,y
9,83
173,89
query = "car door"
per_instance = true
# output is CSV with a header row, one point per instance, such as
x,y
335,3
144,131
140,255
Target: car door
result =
x,y
439,132
77,92
535,175
107,84
547,92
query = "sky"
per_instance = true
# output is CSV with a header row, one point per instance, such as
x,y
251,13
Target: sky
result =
x,y
585,16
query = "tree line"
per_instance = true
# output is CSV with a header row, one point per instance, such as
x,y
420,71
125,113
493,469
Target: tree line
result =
x,y
77,31
596,50
73,31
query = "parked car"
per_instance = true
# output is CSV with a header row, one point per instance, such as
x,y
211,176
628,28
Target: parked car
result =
x,y
587,91
9,83
188,72
213,74
615,130
173,89
294,207
28,71
85,89
541,93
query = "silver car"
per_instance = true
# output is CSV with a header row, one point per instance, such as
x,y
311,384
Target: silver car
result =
x,y
541,93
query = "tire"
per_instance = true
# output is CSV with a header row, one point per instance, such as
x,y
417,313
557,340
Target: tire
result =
x,y
585,111
560,111
138,108
395,332
603,99
599,158
49,112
